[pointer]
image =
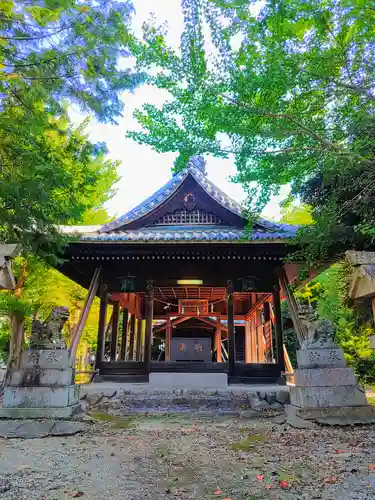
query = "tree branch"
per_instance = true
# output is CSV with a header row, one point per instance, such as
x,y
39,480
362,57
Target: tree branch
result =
x,y
35,37
302,128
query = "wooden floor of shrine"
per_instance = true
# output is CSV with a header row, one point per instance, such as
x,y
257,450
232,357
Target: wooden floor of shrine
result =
x,y
245,373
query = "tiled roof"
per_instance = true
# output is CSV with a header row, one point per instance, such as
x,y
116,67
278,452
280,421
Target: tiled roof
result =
x,y
168,189
193,235
116,231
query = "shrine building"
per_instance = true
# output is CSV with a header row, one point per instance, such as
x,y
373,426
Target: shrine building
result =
x,y
184,286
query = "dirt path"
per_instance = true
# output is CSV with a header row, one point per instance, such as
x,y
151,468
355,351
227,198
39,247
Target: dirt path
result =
x,y
165,458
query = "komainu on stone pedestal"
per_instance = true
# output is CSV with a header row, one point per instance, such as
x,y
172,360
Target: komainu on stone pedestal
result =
x,y
323,382
44,386
48,335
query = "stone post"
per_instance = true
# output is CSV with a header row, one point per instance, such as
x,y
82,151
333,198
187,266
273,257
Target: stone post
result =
x,y
326,390
43,386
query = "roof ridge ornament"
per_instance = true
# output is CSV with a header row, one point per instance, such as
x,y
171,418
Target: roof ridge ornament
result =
x,y
198,162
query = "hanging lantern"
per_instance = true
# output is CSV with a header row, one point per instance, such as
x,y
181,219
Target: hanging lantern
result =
x,y
127,284
248,284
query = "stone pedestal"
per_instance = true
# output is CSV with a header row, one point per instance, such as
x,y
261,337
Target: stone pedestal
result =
x,y
43,387
326,390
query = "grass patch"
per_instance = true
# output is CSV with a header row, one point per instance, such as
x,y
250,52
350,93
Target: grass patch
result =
x,y
371,401
117,422
248,443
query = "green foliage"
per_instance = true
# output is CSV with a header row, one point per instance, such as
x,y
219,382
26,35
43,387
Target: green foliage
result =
x,y
289,93
39,288
353,323
53,54
296,214
328,294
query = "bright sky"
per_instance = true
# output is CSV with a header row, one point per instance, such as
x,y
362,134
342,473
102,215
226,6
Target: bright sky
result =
x,y
143,170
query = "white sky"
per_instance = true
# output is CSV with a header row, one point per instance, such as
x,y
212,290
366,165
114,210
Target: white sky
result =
x,y
143,170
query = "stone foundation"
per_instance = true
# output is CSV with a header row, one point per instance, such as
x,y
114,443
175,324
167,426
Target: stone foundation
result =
x,y
43,387
327,397
326,391
243,402
188,380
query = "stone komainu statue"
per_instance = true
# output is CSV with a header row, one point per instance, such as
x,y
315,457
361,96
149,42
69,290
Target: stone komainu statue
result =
x,y
49,333
320,333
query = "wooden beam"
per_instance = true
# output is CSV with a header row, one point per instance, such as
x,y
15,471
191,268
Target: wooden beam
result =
x,y
248,357
219,357
148,333
278,328
260,337
212,323
138,353
174,322
224,317
231,332
168,339
91,294
265,298
293,306
124,332
288,364
101,327
114,332
131,337
253,333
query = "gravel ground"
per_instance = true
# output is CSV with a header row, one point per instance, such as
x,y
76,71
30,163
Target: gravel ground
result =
x,y
174,457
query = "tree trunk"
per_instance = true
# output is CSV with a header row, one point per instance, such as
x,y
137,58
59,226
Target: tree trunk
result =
x,y
17,340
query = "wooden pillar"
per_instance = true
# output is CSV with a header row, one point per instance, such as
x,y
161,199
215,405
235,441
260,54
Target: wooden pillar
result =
x,y
278,328
131,337
149,317
231,332
248,353
143,339
125,319
101,326
219,357
168,339
253,334
299,327
114,333
138,354
260,338
78,330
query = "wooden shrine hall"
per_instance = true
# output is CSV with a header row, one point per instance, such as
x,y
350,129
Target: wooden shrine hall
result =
x,y
184,286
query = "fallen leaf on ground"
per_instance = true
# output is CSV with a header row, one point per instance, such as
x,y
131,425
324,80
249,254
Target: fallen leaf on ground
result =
x,y
76,494
284,484
340,451
371,466
331,480
260,477
268,486
218,492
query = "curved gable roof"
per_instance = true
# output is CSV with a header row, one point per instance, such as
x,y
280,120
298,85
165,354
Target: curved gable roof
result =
x,y
167,191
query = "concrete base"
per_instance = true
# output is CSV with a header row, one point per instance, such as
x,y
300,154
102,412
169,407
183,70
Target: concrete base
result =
x,y
188,381
25,413
343,415
44,377
321,357
44,358
324,377
327,397
41,397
